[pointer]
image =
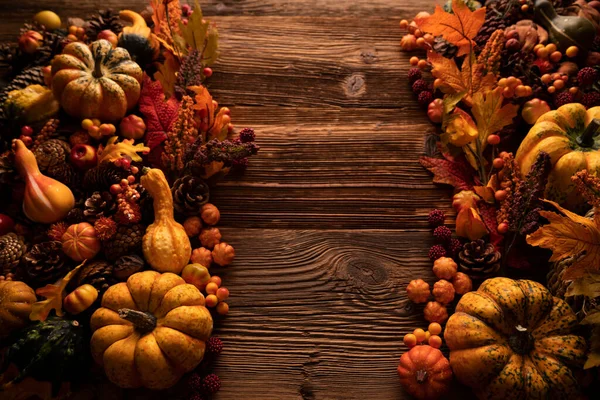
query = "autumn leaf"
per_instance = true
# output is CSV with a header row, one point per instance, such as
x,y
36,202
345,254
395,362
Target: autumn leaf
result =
x,y
200,35
461,81
458,28
167,73
450,172
588,285
593,359
203,102
569,235
54,295
158,113
489,113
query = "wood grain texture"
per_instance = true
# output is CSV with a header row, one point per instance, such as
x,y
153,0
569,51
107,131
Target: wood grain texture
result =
x,y
329,221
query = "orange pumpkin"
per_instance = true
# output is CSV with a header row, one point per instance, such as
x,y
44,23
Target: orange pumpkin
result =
x,y
80,242
96,81
425,373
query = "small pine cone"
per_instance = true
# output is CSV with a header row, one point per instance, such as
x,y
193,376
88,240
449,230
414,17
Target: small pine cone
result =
x,y
47,131
97,273
103,176
103,20
75,216
51,152
190,193
12,249
64,173
45,263
479,259
99,204
8,173
127,241
444,48
126,266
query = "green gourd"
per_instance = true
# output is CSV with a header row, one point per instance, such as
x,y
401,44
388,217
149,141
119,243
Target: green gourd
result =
x,y
564,31
55,350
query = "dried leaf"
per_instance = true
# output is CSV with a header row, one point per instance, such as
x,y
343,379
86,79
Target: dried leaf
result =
x,y
113,150
569,235
458,28
167,73
588,286
489,113
158,113
219,128
204,102
486,193
450,172
593,359
449,103
201,35
593,318
54,295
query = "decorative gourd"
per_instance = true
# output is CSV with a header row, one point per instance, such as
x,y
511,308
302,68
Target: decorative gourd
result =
x,y
16,299
512,339
55,351
45,200
96,81
564,31
80,242
31,104
132,127
150,330
196,274
568,136
80,299
138,38
425,373
166,246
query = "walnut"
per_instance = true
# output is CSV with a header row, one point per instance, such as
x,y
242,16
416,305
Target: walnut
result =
x,y
202,256
192,226
209,237
210,214
223,254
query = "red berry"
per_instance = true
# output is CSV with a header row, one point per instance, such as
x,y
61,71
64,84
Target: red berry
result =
x,y
27,140
211,384
500,195
214,345
125,163
503,228
6,224
26,130
493,140
498,163
419,86
436,218
115,189
425,97
454,247
563,98
414,74
207,72
442,234
437,251
587,76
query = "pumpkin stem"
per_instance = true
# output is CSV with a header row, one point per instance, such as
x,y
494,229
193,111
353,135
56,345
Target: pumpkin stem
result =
x,y
98,69
587,137
143,321
421,376
521,342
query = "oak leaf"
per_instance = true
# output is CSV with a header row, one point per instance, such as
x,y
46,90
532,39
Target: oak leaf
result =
x,y
569,235
54,295
158,112
458,28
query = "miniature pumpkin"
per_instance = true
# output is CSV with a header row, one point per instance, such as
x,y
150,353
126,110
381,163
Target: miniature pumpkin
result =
x,y
166,246
435,312
443,291
444,268
16,299
96,81
513,339
80,299
425,373
567,135
462,283
150,330
202,256
80,242
132,127
223,254
418,291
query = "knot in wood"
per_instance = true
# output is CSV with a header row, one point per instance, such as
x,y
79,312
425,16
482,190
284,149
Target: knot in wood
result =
x,y
354,85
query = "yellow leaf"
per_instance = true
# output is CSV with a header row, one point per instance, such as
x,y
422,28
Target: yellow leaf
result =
x,y
458,28
593,359
167,73
113,150
489,113
569,235
588,286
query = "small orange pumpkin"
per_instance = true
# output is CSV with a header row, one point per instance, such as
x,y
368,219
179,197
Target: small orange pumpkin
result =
x,y
425,373
80,242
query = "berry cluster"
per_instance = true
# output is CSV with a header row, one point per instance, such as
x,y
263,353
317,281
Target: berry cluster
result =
x,y
419,336
447,246
201,383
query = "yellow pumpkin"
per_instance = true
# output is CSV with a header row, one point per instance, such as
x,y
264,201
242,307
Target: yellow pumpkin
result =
x,y
511,339
568,136
16,299
96,81
165,244
150,330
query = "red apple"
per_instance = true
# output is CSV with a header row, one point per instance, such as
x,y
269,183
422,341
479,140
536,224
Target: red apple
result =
x,y
84,156
109,35
30,41
7,224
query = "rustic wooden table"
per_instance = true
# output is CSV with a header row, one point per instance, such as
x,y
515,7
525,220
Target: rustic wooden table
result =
x,y
330,221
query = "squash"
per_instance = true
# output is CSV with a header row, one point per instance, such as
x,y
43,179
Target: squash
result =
x,y
166,246
96,81
55,350
138,38
16,299
567,135
80,299
512,339
150,331
80,242
31,104
425,373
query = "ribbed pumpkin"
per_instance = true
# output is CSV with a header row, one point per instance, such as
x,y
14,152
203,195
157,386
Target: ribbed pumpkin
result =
x,y
96,81
80,242
166,246
425,373
568,136
16,299
511,339
150,330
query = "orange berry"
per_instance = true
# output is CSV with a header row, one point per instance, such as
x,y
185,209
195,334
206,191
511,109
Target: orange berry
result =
x,y
422,64
521,91
512,81
574,90
503,82
222,293
410,340
72,29
94,132
551,89
211,301
559,84
508,92
418,33
555,76
420,42
96,122
414,61
87,124
498,163
493,140
542,53
572,51
404,24
71,38
500,195
429,38
537,47
216,280
555,56
546,78
551,48
211,288
435,341
502,228
434,328
427,336
525,7
419,334
223,308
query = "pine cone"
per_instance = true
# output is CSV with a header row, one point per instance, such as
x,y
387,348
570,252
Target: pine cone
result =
x,y
63,172
444,48
97,273
103,176
75,216
99,205
12,249
30,76
104,19
126,266
499,14
479,259
8,174
190,193
127,241
51,152
45,263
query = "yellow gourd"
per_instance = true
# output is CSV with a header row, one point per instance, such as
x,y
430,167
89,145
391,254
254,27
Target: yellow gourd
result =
x,y
45,200
166,246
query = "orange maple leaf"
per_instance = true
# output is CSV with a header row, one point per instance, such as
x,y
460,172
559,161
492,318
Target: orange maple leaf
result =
x,y
458,28
569,235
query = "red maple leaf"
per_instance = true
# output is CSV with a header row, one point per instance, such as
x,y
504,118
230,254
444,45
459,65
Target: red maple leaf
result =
x,y
158,113
488,214
450,171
